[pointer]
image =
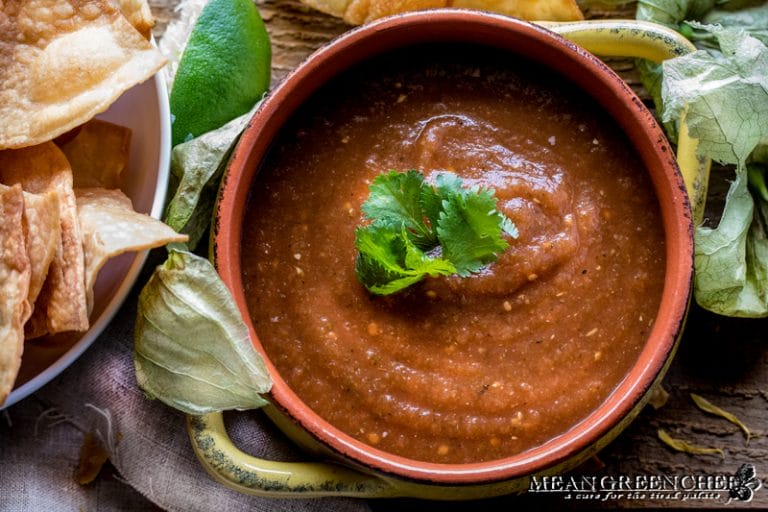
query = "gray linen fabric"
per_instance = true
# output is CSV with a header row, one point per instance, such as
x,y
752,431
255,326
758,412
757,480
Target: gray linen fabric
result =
x,y
40,440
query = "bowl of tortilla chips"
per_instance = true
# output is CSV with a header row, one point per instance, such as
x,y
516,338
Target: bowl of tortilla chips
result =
x,y
84,150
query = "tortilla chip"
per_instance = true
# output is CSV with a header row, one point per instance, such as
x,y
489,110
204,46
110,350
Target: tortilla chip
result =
x,y
111,227
139,15
98,154
14,286
367,10
534,10
41,218
62,62
358,12
61,305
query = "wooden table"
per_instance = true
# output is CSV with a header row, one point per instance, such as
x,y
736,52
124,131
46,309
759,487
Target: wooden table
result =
x,y
722,359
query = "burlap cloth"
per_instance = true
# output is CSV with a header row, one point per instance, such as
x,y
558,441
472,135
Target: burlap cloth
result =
x,y
150,454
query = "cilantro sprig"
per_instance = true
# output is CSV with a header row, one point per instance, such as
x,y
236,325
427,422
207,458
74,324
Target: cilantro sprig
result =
x,y
419,230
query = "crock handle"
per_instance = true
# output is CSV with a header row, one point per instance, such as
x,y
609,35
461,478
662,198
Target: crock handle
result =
x,y
623,38
258,477
645,40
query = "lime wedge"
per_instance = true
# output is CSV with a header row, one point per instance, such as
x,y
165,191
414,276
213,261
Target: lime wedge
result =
x,y
224,70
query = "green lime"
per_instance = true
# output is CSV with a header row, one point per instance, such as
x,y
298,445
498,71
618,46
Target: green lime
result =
x,y
224,70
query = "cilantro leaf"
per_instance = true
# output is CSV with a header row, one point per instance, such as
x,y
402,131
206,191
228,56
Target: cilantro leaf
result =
x,y
388,261
382,249
395,201
470,230
410,218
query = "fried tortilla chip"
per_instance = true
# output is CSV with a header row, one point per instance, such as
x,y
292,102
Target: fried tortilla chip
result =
x,y
98,154
534,10
138,14
14,286
111,227
358,12
41,218
61,305
62,62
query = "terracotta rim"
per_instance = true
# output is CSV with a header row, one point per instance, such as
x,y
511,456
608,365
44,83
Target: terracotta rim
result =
x,y
561,56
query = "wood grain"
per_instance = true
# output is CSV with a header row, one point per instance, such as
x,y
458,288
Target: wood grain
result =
x,y
723,359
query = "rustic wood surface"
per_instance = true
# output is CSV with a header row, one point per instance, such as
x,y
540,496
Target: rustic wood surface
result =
x,y
724,360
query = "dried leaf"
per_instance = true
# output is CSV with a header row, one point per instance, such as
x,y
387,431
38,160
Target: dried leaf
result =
x,y
93,455
659,397
706,406
684,446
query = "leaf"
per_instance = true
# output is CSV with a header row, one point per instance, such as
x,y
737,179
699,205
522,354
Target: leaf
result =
x,y
731,260
659,397
420,262
757,253
672,12
720,253
384,245
756,179
192,350
651,77
468,229
93,456
706,406
446,186
508,227
197,167
411,218
389,262
753,21
684,446
726,95
394,200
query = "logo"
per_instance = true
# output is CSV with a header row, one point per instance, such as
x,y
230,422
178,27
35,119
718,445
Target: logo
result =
x,y
745,483
723,488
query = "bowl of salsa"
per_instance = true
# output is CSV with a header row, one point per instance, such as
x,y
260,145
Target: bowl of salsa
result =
x,y
467,384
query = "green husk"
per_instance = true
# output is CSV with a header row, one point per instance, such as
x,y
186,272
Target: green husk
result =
x,y
724,88
726,94
753,21
672,12
196,170
192,349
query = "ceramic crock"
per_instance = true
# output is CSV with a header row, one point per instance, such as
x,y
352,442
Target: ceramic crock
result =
x,y
350,468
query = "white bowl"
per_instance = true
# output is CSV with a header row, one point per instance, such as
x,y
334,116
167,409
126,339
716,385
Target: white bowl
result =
x,y
143,109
